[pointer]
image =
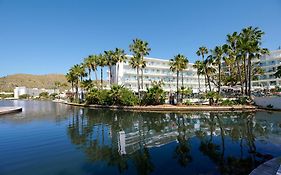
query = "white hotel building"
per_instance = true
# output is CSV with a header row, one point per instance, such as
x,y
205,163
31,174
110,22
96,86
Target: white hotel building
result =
x,y
159,69
269,63
156,70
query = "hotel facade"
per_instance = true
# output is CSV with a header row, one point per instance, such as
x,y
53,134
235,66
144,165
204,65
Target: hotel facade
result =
x,y
159,70
156,70
269,64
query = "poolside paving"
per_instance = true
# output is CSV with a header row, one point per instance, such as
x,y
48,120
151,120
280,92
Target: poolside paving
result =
x,y
7,110
271,167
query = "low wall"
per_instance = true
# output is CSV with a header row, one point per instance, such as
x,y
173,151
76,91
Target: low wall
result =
x,y
266,101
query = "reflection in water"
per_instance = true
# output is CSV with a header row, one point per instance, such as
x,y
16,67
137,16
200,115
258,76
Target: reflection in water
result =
x,y
125,139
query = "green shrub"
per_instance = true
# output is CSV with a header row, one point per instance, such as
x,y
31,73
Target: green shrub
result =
x,y
154,95
243,100
228,102
24,96
44,95
188,102
118,95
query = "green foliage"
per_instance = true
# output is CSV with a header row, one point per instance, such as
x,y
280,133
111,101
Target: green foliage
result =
x,y
154,95
118,95
188,103
3,96
44,95
53,96
24,96
243,100
228,102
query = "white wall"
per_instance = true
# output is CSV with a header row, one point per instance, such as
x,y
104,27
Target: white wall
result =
x,y
264,101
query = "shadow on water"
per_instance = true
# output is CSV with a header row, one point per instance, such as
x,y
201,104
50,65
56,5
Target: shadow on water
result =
x,y
127,140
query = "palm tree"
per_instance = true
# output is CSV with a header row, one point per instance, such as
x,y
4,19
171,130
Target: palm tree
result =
x,y
101,62
79,71
178,64
118,57
140,49
136,63
110,62
209,70
201,52
70,77
217,55
250,45
199,66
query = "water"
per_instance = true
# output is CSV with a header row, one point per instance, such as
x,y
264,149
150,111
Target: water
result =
x,y
51,138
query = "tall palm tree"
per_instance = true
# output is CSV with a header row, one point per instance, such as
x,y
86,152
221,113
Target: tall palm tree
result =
x,y
217,55
91,63
79,71
178,64
136,63
110,62
250,45
101,62
88,65
70,77
199,66
119,57
140,49
202,51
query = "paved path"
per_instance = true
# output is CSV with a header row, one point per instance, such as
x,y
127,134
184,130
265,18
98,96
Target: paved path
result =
x,y
7,110
271,167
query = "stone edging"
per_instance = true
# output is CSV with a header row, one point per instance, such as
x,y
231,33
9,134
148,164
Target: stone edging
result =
x,y
171,108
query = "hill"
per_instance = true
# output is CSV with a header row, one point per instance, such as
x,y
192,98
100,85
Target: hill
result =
x,y
8,83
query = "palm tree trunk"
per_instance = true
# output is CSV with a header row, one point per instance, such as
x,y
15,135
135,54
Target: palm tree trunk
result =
x,y
142,79
219,87
239,75
117,72
89,70
245,77
182,86
138,78
177,87
110,76
199,82
96,76
101,77
250,76
209,84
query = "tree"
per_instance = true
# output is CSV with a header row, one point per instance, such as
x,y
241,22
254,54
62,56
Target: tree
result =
x,y
110,62
136,63
201,52
217,56
250,45
178,64
101,62
199,66
118,57
277,74
79,73
140,49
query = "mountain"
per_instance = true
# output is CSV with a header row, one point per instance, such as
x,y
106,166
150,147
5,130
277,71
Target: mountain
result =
x,y
8,83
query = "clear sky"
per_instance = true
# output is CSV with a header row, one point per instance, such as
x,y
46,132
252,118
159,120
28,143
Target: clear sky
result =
x,y
49,36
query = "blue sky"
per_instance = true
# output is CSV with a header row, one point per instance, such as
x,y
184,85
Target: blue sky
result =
x,y
49,36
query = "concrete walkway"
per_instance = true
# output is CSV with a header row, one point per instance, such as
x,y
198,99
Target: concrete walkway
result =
x,y
271,167
7,110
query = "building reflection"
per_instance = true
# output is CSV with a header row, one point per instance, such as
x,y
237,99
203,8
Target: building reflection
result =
x,y
118,137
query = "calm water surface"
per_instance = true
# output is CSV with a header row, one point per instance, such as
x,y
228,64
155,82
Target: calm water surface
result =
x,y
49,138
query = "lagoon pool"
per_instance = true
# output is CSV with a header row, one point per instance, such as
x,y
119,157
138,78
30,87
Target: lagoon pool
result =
x,y
52,138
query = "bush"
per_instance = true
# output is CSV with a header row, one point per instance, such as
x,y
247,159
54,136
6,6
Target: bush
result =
x,y
269,106
154,95
24,96
53,95
118,95
44,95
188,103
243,100
228,102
